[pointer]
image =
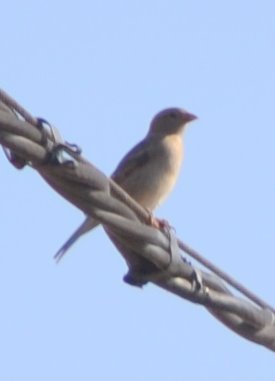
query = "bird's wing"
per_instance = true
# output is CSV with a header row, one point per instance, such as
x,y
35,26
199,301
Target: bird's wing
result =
x,y
134,160
88,224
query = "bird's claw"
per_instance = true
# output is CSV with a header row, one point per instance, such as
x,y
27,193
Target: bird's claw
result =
x,y
157,223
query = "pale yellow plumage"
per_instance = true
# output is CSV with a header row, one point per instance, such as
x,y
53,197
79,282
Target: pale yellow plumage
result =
x,y
149,171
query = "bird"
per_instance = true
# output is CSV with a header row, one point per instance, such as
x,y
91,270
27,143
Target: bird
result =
x,y
148,172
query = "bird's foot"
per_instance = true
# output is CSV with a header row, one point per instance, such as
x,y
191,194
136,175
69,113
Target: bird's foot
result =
x,y
158,223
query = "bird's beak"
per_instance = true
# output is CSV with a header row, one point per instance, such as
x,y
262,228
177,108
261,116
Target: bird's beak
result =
x,y
189,117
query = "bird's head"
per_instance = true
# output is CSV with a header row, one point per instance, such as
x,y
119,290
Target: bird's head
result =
x,y
170,121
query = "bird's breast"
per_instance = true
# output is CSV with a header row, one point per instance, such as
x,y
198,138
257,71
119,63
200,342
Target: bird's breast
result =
x,y
150,184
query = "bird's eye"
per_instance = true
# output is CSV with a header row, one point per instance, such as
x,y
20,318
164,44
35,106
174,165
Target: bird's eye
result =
x,y
173,115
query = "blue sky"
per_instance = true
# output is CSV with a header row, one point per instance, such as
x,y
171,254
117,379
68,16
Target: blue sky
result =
x,y
99,71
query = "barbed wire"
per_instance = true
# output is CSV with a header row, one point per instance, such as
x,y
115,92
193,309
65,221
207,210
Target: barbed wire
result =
x,y
152,255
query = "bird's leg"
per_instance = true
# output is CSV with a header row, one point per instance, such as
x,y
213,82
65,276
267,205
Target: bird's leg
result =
x,y
163,223
156,222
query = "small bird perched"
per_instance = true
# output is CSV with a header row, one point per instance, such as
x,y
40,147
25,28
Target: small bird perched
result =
x,y
149,171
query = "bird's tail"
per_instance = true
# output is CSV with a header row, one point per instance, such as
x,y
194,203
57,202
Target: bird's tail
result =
x,y
88,224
